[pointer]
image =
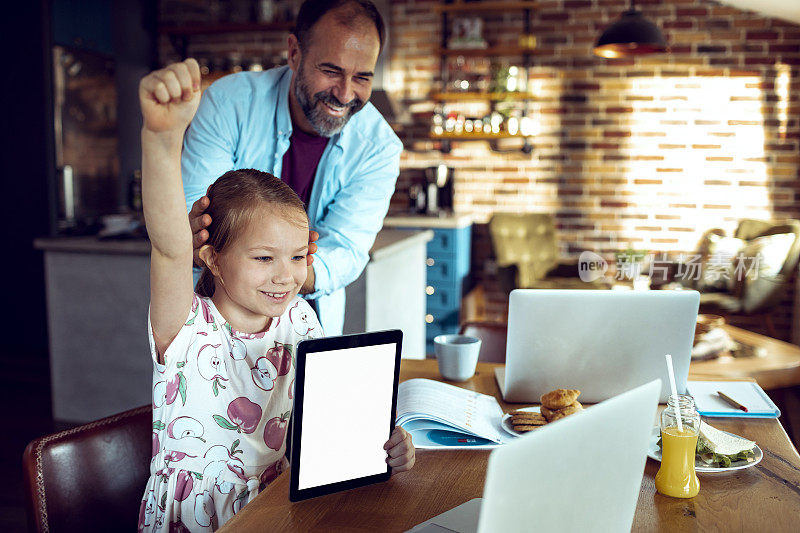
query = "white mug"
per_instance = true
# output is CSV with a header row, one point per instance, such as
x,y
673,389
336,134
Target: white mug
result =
x,y
457,356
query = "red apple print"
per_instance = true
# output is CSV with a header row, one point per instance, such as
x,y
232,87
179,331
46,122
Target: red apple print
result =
x,y
178,527
238,349
244,414
207,316
275,431
159,394
270,474
183,486
175,456
264,374
299,317
184,427
238,470
281,357
156,445
172,389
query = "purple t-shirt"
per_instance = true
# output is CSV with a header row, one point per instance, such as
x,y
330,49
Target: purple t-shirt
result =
x,y
301,160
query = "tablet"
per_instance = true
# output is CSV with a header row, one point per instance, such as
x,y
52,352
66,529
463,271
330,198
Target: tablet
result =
x,y
344,411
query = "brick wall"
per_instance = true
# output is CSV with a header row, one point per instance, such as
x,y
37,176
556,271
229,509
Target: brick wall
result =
x,y
644,152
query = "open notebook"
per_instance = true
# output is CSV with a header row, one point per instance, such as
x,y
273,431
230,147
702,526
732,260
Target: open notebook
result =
x,y
438,415
747,393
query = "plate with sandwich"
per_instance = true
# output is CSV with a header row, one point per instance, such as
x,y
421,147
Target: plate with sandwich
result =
x,y
717,450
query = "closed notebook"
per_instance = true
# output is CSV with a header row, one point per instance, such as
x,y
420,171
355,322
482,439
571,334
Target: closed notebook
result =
x,y
747,393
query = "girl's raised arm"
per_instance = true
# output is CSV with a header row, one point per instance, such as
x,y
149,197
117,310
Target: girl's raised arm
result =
x,y
169,98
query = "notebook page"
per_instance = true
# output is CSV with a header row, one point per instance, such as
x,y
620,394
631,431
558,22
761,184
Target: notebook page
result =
x,y
462,408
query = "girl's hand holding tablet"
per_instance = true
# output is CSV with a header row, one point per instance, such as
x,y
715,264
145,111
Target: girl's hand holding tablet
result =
x,y
400,450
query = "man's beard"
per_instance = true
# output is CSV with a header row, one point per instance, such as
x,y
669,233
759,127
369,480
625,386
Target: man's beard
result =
x,y
322,122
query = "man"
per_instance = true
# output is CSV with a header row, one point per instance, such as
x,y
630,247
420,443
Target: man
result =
x,y
310,124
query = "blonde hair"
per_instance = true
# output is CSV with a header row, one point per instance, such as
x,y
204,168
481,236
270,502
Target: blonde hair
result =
x,y
234,199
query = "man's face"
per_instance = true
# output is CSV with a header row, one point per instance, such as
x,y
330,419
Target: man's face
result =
x,y
333,77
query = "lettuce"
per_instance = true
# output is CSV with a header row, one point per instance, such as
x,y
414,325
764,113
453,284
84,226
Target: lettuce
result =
x,y
707,456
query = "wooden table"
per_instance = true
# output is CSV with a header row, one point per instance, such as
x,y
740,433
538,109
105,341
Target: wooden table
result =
x,y
764,497
779,367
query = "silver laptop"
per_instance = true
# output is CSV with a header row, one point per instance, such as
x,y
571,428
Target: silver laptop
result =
x,y
581,473
599,342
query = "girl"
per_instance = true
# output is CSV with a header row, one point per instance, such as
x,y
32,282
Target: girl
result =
x,y
223,357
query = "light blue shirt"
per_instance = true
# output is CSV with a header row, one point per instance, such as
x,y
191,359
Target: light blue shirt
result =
x,y
243,122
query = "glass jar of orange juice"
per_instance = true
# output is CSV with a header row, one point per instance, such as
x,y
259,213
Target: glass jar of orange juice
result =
x,y
676,476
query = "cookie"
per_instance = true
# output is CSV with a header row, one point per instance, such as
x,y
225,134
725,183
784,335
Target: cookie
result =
x,y
521,412
528,421
527,415
560,398
525,429
569,410
547,412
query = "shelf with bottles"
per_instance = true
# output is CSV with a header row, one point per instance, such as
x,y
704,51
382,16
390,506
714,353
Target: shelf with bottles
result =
x,y
474,96
212,69
472,69
224,27
490,51
450,125
229,17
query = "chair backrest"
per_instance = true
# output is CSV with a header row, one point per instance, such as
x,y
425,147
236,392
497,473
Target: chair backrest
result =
x,y
527,240
493,339
778,243
90,477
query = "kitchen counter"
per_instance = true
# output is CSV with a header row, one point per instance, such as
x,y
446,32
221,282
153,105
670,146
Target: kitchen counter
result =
x,y
93,245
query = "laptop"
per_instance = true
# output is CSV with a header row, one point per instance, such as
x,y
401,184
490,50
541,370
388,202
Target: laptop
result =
x,y
599,342
581,473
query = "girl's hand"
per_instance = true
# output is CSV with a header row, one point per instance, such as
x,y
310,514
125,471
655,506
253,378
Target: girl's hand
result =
x,y
400,450
169,97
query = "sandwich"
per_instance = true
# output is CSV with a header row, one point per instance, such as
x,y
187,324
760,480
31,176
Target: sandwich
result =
x,y
717,447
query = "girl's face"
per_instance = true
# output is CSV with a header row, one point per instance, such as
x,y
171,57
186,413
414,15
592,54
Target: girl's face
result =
x,y
262,270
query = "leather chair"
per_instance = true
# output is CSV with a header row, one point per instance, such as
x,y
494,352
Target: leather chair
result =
x,y
90,477
527,250
493,339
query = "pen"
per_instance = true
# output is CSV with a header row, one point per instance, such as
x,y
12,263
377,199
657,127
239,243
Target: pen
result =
x,y
732,402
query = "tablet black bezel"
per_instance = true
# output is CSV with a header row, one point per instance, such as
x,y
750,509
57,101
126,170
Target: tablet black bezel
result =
x,y
326,344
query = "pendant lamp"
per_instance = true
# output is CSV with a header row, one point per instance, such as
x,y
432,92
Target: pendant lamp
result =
x,y
631,35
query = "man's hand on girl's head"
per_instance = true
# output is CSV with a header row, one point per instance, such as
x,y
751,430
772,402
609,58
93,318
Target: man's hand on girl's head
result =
x,y
312,246
199,221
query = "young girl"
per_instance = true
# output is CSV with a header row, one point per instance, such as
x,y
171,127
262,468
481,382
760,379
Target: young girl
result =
x,y
223,357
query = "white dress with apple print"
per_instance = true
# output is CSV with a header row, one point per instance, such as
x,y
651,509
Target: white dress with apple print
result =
x,y
221,405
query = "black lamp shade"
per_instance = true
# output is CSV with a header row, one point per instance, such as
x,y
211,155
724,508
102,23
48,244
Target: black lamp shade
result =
x,y
631,35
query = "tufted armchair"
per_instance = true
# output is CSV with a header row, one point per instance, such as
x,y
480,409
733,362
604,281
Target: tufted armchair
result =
x,y
527,251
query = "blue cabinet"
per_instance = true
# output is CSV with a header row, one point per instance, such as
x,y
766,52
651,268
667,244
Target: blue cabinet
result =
x,y
448,265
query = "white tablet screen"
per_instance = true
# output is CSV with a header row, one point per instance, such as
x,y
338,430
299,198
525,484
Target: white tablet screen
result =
x,y
347,409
